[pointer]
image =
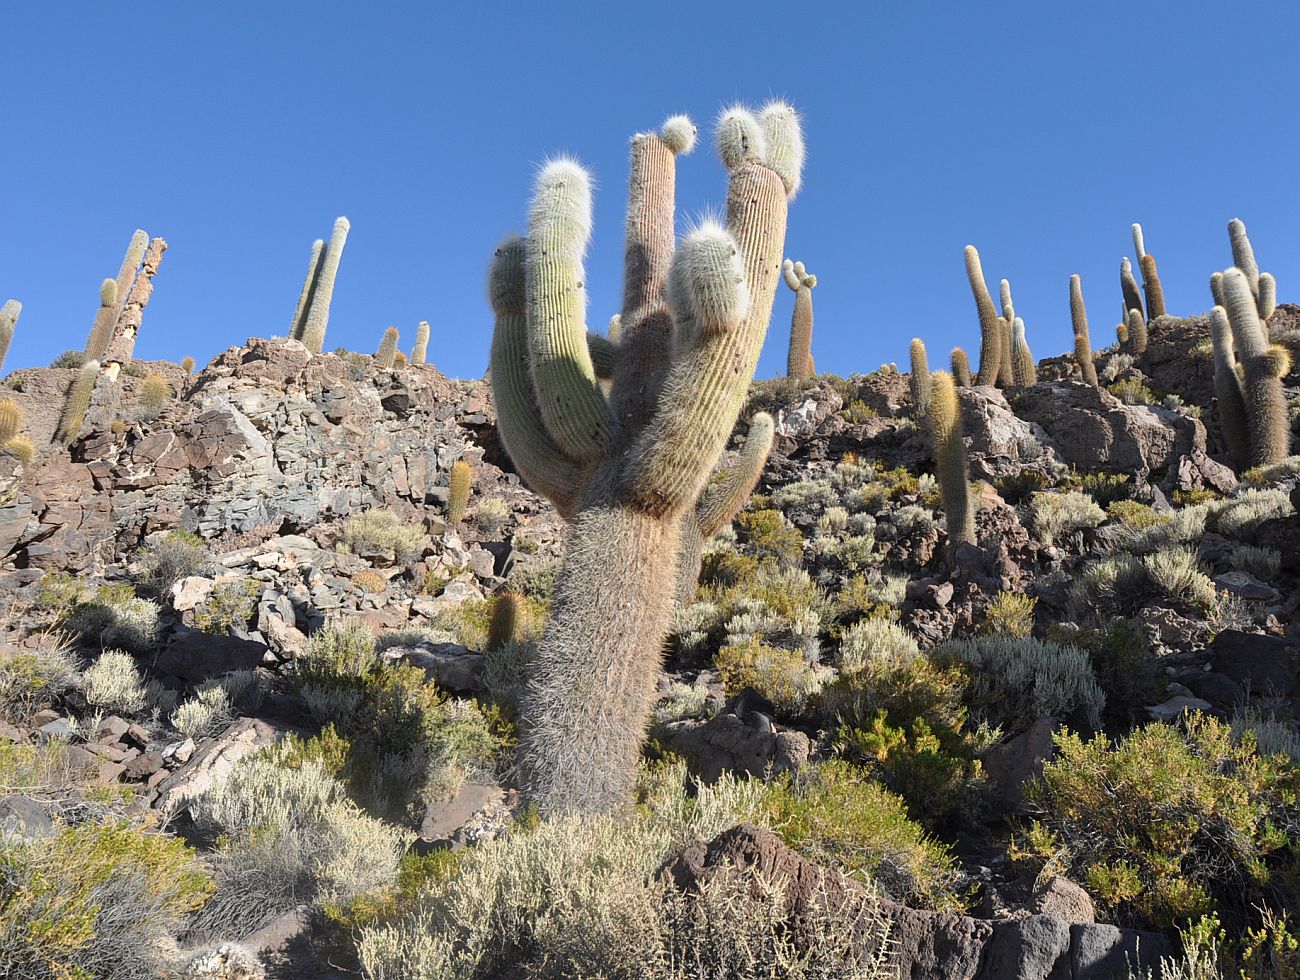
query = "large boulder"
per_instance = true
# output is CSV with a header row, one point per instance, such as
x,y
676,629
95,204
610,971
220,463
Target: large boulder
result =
x,y
1267,665
1001,443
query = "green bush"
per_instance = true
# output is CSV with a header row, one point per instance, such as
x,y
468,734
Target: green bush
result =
x,y
114,617
381,530
1058,515
770,536
1135,515
1010,614
228,608
113,684
32,680
1125,668
781,676
172,557
1171,823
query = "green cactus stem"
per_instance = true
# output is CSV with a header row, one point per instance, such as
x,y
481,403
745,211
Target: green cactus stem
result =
x,y
76,403
960,367
1263,367
1155,293
1136,328
458,486
1082,345
506,620
990,322
1216,287
1230,399
1129,287
9,314
1262,285
1121,334
387,352
317,317
308,288
1024,368
1006,370
919,381
101,330
122,345
799,361
11,419
421,349
949,447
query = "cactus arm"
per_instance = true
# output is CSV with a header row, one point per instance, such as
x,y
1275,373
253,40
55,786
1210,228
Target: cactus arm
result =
x,y
9,314
960,367
1137,331
318,312
799,358
573,408
1139,244
1263,366
101,330
949,446
126,274
990,334
308,287
1024,370
920,378
132,315
1267,301
1082,343
604,355
539,460
722,500
1243,255
75,404
1231,401
1216,287
420,352
1129,287
1151,286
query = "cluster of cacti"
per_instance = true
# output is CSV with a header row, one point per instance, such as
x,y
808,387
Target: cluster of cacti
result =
x,y
9,314
506,620
312,315
1082,344
131,304
76,404
385,356
113,295
919,380
627,469
1155,297
458,485
799,362
11,419
990,322
1248,375
1263,287
1227,387
960,367
949,447
420,352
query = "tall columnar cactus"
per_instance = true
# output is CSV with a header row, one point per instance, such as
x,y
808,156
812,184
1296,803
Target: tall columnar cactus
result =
x,y
1082,344
920,379
1262,285
1216,287
990,322
1024,368
308,288
1227,389
75,404
629,469
1121,334
387,351
1128,286
505,621
949,446
1137,331
126,276
458,486
9,314
420,352
1006,371
799,362
960,367
11,419
322,294
1263,366
122,345
1155,295
101,330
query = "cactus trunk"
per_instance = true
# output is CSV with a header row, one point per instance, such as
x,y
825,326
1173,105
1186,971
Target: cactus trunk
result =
x,y
949,447
387,352
1082,343
1129,287
1231,401
799,360
1151,286
960,367
122,346
990,329
9,314
1024,369
76,403
1264,366
318,310
420,352
920,379
308,288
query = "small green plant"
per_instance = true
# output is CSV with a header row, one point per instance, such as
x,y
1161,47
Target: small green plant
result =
x,y
781,676
113,684
113,616
770,536
458,490
1132,392
34,679
1010,614
858,412
228,608
155,394
379,531
1058,515
1135,515
168,559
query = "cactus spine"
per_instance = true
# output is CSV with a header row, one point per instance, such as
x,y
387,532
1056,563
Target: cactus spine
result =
x,y
122,345
1263,366
9,314
322,292
1082,345
1150,277
1136,328
1262,285
960,367
1024,369
949,445
76,403
308,287
1006,371
505,621
101,331
1129,287
458,491
799,362
990,329
11,419
629,470
920,379
387,352
421,349
1227,389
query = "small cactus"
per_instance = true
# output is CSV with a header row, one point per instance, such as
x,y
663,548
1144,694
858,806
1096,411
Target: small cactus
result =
x,y
1216,287
949,447
312,334
506,620
11,419
22,447
187,364
421,349
1263,366
458,491
1121,334
387,353
369,581
920,379
1155,295
1082,345
308,287
1231,401
799,362
1129,287
960,367
155,393
8,320
1136,328
990,322
76,403
399,359
1024,370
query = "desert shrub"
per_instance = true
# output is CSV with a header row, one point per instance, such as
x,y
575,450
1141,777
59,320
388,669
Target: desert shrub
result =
x,y
1135,515
861,598
1238,517
682,701
1263,563
856,552
168,559
770,536
370,581
381,530
1183,527
114,617
1010,614
1105,586
490,516
1132,392
229,608
1126,672
33,679
1271,737
781,676
876,641
205,714
857,412
69,359
1275,474
58,593
1058,515
94,900
154,395
1015,487
1014,682
113,684
1176,573
1169,823
1105,488
804,500
1269,950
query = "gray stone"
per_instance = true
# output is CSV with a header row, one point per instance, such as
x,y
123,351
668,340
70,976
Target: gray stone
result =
x,y
1247,586
24,817
1103,952
1263,664
196,656
1176,707
1063,899
1028,949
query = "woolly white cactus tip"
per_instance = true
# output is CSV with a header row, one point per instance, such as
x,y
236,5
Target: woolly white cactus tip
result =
x,y
708,277
810,281
342,224
760,423
108,292
506,275
740,137
789,275
678,134
785,149
562,200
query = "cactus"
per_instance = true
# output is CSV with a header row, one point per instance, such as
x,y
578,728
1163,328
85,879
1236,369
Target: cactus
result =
x,y
458,491
1262,285
101,329
318,309
308,288
370,581
1227,390
949,446
399,359
11,419
1024,369
9,314
133,305
628,471
1136,328
1216,287
187,364
799,362
155,393
1082,345
990,329
76,403
1263,366
421,349
22,447
1006,371
385,356
604,355
920,379
960,367
1129,287
1121,334
1155,296
506,620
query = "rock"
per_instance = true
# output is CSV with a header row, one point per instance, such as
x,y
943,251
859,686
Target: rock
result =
x,y
212,764
1037,946
191,592
1247,586
195,656
1062,898
443,818
23,817
1011,764
726,743
1268,665
144,765
1176,707
59,728
1001,442
1102,952
449,665
1219,689
1196,471
111,729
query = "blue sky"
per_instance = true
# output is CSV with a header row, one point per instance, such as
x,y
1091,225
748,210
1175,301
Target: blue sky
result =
x,y
238,131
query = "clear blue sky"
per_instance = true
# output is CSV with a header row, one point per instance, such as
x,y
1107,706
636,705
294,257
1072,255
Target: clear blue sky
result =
x,y
238,131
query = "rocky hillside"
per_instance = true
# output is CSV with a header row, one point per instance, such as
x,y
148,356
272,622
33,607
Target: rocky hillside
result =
x,y
251,646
